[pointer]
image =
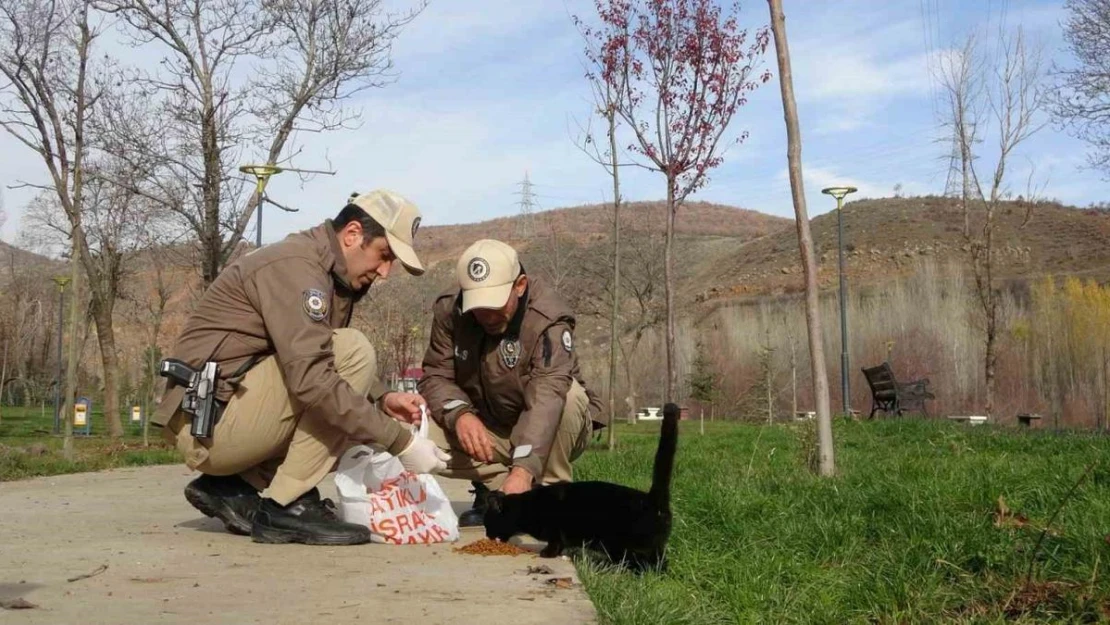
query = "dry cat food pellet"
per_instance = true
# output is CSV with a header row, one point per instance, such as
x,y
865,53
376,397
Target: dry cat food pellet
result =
x,y
487,547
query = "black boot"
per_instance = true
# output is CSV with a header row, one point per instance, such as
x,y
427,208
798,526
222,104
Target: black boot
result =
x,y
475,516
308,520
228,498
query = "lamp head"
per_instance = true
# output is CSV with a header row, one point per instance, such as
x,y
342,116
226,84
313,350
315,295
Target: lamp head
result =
x,y
260,171
838,192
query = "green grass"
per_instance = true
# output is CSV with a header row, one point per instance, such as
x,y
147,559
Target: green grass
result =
x,y
905,533
29,449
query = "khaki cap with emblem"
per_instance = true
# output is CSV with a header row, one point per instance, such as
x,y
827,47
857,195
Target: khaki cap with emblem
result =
x,y
486,272
400,218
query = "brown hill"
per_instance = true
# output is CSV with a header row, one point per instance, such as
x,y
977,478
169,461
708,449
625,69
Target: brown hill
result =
x,y
884,237
585,224
12,256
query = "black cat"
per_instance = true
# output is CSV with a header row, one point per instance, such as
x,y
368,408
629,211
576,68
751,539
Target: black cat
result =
x,y
627,525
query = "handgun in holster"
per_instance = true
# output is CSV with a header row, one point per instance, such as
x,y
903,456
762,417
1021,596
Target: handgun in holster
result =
x,y
200,393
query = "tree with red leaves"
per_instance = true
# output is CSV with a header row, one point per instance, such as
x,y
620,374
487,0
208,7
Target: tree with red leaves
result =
x,y
684,68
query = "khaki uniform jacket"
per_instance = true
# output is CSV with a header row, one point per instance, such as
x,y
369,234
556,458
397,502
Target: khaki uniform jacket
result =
x,y
516,383
285,299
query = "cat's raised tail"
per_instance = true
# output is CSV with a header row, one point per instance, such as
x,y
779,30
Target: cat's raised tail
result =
x,y
664,456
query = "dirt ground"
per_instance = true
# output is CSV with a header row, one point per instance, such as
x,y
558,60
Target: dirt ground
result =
x,y
167,563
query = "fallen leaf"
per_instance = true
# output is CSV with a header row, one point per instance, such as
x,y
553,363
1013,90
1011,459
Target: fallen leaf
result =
x,y
562,583
19,603
540,570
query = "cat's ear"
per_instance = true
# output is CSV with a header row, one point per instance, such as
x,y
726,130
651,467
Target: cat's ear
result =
x,y
496,501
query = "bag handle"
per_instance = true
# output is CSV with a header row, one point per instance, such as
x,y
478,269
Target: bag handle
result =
x,y
423,431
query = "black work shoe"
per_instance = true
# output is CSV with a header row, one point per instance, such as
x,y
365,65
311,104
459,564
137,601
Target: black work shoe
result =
x,y
308,520
476,515
228,498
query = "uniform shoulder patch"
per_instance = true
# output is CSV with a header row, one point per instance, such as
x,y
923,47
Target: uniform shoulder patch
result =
x,y
568,341
315,304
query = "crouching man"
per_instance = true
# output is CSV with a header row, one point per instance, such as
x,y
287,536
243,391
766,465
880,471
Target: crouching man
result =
x,y
502,380
296,386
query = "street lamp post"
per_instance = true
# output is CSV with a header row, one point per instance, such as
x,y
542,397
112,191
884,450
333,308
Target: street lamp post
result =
x,y
839,193
262,175
61,281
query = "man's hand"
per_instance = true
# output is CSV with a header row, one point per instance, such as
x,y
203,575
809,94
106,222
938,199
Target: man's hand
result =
x,y
423,456
403,406
519,481
474,436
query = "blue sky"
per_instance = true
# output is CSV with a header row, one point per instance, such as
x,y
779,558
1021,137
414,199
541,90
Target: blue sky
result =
x,y
489,89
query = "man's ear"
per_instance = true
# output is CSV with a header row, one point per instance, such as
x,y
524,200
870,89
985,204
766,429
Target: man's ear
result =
x,y
521,285
351,234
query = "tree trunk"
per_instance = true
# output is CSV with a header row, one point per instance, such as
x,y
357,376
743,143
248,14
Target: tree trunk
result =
x,y
72,351
668,280
770,404
613,321
793,378
3,377
106,337
990,357
805,242
211,241
149,399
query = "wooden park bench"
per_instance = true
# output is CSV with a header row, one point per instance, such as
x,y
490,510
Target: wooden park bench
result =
x,y
892,396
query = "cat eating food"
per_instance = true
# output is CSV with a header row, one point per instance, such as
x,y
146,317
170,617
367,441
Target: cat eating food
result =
x,y
627,525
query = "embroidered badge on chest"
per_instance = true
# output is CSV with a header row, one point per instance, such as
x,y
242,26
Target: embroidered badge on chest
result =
x,y
316,304
568,340
510,352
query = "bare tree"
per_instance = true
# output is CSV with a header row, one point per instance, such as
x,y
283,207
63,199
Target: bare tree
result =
x,y
554,258
640,282
606,92
46,57
827,461
307,56
1082,98
998,95
150,297
684,68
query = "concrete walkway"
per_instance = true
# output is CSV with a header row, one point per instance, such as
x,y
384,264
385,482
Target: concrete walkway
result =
x,y
167,563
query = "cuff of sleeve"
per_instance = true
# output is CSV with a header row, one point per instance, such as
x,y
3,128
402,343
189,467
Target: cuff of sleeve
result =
x,y
452,416
532,464
378,390
404,437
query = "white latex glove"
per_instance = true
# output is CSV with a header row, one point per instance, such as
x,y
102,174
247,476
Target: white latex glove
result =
x,y
423,456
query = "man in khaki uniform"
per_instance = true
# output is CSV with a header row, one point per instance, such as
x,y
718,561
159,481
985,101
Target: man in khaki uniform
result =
x,y
502,381
297,387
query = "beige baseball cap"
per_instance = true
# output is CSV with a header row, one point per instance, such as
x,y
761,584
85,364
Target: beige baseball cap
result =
x,y
486,272
400,218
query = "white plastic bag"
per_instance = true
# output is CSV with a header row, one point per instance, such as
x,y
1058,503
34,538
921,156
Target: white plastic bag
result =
x,y
399,506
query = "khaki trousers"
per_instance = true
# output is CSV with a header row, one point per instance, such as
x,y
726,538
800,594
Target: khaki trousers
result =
x,y
261,439
575,427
